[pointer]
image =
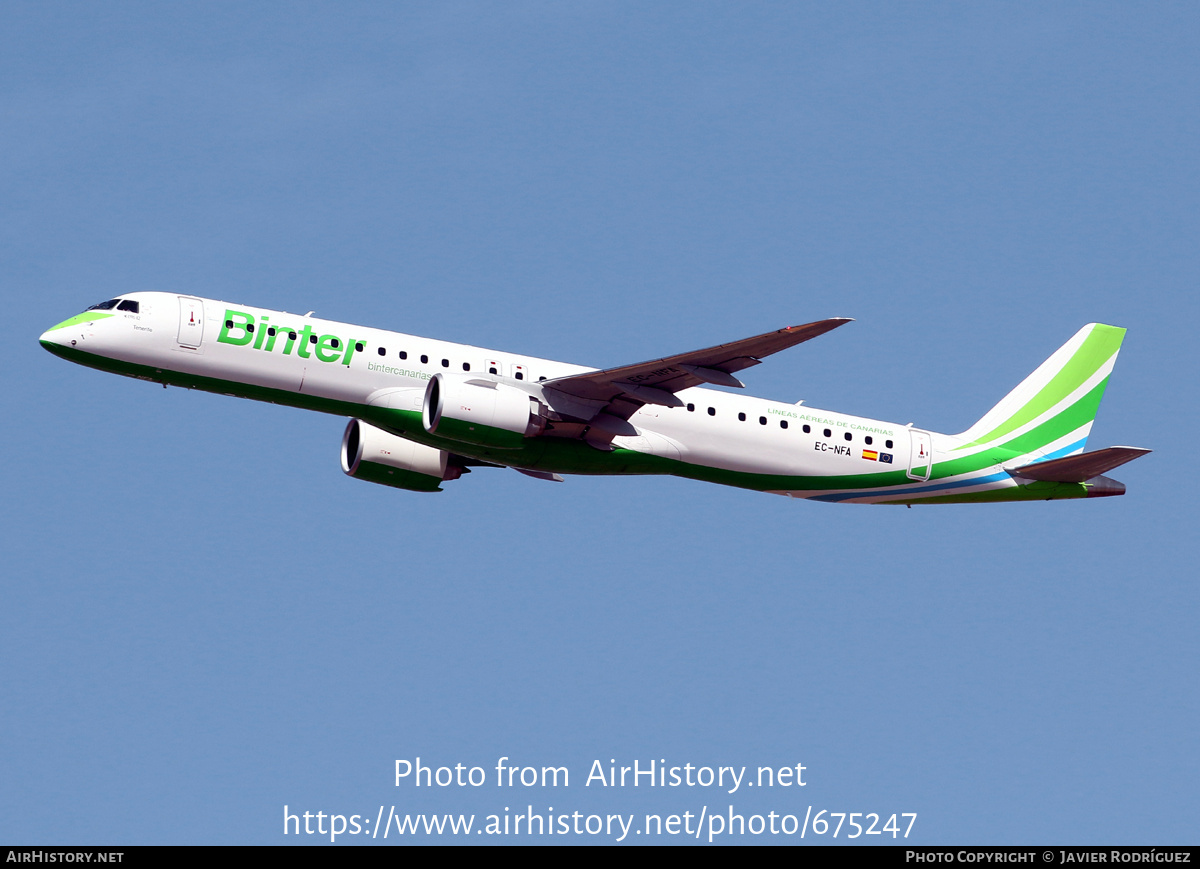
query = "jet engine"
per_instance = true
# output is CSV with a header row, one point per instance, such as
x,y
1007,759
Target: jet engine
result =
x,y
479,411
377,456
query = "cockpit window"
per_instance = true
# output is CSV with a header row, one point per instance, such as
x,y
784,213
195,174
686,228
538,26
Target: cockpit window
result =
x,y
105,306
128,305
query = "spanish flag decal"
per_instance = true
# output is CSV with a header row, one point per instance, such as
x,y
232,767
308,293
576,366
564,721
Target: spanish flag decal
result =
x,y
871,455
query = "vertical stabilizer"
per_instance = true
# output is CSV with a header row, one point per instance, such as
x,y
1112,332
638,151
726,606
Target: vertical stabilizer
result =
x,y
1050,413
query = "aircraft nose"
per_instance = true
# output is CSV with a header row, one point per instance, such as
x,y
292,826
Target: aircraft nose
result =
x,y
59,341
63,335
52,339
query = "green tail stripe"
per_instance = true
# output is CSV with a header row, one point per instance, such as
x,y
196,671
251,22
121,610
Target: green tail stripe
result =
x,y
1099,347
1071,418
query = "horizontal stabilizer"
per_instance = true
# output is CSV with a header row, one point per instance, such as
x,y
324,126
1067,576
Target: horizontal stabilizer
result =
x,y
1080,468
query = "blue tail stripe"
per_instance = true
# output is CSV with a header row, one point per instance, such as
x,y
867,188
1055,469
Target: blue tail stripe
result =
x,y
1065,451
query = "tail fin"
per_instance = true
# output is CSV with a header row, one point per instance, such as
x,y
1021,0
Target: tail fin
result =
x,y
1050,413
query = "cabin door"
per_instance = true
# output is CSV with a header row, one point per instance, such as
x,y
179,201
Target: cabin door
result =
x,y
191,322
920,456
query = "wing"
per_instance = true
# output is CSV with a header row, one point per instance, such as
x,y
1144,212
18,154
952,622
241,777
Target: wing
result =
x,y
619,392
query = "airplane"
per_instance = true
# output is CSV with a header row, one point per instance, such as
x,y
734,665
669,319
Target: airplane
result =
x,y
423,412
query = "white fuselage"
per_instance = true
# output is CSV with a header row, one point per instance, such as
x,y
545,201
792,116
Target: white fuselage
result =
x,y
463,405
715,429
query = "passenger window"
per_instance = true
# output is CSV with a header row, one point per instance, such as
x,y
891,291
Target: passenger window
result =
x,y
250,328
424,359
742,417
312,339
445,363
333,343
691,407
382,351
466,366
403,354
762,420
807,428
712,411
889,444
358,346
783,423
492,370
849,436
869,440
828,432
520,375
228,323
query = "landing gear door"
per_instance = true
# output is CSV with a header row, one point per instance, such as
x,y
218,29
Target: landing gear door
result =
x,y
191,322
920,457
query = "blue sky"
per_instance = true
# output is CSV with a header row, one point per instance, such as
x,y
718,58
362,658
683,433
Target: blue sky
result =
x,y
204,620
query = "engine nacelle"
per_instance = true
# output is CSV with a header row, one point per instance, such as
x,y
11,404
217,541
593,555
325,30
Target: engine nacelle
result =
x,y
377,456
479,411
